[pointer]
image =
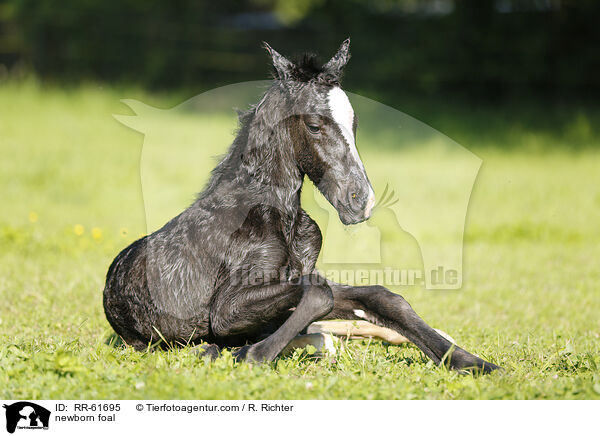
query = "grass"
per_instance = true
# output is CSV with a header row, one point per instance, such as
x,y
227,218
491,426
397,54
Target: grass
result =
x,y
70,184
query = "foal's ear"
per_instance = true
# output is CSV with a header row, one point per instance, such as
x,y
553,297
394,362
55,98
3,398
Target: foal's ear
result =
x,y
283,67
336,64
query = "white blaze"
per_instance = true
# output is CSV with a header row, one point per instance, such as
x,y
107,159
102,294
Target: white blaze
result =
x,y
343,115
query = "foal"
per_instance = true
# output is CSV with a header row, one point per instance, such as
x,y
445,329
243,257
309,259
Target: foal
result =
x,y
237,268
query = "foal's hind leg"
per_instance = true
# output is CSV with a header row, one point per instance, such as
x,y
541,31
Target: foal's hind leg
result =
x,y
363,329
356,330
378,305
244,312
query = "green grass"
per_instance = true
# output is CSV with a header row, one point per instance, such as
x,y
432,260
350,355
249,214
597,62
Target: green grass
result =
x,y
71,199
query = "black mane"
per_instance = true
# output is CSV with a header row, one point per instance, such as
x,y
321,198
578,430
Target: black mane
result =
x,y
308,68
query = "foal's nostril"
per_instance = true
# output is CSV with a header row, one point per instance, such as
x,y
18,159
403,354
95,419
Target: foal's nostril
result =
x,y
356,201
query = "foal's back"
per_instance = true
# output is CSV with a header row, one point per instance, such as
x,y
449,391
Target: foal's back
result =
x,y
165,282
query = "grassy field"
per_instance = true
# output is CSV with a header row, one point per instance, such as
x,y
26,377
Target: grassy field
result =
x,y
72,199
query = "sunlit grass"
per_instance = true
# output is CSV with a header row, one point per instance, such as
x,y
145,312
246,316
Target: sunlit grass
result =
x,y
72,199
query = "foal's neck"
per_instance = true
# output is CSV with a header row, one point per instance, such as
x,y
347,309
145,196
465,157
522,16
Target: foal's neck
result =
x,y
268,160
260,168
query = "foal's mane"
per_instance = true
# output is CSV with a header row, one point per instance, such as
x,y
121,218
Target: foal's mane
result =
x,y
308,68
244,146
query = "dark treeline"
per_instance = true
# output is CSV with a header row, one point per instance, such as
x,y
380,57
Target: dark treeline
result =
x,y
477,48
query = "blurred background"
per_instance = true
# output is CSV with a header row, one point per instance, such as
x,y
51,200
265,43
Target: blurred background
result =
x,y
492,49
538,58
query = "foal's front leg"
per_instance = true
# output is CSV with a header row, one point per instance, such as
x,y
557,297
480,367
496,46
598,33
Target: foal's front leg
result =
x,y
310,295
382,307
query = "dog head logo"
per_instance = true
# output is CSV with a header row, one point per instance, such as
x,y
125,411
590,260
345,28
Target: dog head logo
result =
x,y
422,180
26,415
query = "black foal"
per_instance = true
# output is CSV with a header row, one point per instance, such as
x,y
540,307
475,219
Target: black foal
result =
x,y
237,268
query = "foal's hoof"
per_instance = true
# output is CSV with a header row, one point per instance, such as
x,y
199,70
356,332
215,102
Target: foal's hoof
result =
x,y
467,363
249,353
207,350
242,353
484,369
489,367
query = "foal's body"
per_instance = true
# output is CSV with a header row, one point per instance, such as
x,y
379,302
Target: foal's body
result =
x,y
237,268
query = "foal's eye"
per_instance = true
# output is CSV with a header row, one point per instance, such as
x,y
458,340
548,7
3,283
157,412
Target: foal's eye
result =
x,y
313,128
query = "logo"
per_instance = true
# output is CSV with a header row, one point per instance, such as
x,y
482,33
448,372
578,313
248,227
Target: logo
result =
x,y
26,415
423,181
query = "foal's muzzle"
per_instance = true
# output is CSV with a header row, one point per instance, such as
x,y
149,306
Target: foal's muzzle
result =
x,y
358,204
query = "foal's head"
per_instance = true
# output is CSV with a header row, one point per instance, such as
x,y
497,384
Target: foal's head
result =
x,y
321,126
